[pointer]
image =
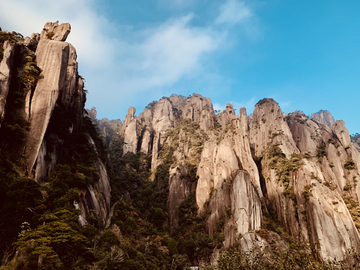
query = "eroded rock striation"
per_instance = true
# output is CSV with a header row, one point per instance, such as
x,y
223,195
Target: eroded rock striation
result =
x,y
302,170
52,108
5,74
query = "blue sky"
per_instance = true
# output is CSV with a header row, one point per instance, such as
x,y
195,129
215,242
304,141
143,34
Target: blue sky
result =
x,y
304,54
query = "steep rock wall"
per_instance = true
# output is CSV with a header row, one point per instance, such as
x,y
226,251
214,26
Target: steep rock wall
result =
x,y
54,110
52,59
314,188
5,74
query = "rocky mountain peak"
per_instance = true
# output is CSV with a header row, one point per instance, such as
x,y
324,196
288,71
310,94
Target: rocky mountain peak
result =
x,y
342,132
200,110
129,116
324,117
54,31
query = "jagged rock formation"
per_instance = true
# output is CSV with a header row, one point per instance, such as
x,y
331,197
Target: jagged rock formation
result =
x,y
328,226
56,95
130,136
323,117
303,170
146,132
5,74
59,82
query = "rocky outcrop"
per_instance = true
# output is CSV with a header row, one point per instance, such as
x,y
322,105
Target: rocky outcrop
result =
x,y
314,183
299,169
342,133
323,117
5,74
54,31
233,197
97,196
146,133
32,40
52,59
200,110
179,190
130,135
54,110
59,84
108,129
222,157
268,125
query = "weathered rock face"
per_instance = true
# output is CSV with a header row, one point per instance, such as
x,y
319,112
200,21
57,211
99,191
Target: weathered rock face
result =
x,y
179,190
130,136
59,84
323,117
223,157
200,110
5,74
54,31
57,96
233,197
52,59
320,176
97,197
304,170
268,124
307,170
146,133
342,133
188,119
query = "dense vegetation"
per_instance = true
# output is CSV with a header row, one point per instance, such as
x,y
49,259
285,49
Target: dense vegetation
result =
x,y
42,219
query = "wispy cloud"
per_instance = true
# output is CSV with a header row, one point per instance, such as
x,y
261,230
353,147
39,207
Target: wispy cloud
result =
x,y
233,12
163,55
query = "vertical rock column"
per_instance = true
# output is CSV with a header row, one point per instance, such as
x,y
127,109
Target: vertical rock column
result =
x,y
5,74
52,58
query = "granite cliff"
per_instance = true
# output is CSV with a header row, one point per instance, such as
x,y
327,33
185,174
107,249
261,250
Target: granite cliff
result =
x,y
40,85
303,171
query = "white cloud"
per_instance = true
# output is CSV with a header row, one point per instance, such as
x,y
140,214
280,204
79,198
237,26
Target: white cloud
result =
x,y
163,55
232,12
